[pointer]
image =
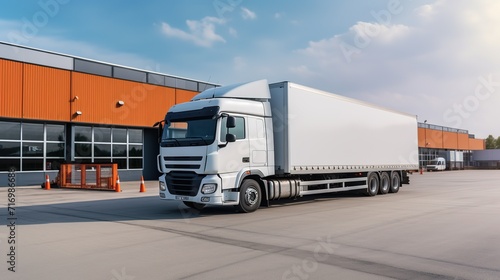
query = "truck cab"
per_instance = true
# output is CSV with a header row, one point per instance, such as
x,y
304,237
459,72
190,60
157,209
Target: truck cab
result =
x,y
211,144
436,164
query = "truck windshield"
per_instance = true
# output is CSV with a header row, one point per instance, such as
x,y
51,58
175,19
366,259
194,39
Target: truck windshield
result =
x,y
190,128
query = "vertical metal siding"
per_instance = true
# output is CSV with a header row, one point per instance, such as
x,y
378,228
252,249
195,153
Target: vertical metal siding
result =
x,y
476,144
46,93
98,97
182,96
450,140
11,86
463,141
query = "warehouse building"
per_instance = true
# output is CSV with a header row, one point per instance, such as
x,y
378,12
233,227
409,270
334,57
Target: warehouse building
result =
x,y
56,108
453,144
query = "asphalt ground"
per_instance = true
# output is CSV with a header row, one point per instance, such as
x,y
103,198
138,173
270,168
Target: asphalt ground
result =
x,y
444,225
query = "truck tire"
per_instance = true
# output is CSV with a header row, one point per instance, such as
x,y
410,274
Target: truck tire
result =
x,y
385,183
250,196
395,182
372,183
194,205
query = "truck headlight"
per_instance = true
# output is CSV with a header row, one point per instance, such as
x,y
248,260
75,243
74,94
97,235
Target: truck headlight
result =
x,y
163,187
208,188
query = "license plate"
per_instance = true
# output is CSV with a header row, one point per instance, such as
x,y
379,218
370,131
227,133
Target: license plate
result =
x,y
182,197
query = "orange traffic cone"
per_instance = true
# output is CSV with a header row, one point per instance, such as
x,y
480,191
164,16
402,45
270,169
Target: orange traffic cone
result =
x,y
143,187
47,182
117,187
421,170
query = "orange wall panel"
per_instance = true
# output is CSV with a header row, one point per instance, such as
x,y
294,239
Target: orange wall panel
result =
x,y
450,140
98,97
476,144
11,89
434,138
421,137
182,96
463,141
46,93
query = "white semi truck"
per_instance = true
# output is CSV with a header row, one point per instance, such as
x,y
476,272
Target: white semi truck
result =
x,y
251,143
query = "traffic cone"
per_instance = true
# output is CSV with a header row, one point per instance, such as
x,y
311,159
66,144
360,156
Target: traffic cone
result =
x,y
421,170
117,187
47,182
143,187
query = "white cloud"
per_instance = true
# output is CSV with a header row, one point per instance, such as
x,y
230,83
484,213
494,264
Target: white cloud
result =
x,y
233,32
202,32
429,65
278,15
247,14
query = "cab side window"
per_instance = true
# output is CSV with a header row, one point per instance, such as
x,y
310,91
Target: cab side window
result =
x,y
238,131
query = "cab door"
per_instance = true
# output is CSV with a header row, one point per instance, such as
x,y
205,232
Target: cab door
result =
x,y
233,157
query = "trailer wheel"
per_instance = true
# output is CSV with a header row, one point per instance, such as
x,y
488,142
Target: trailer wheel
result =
x,y
250,196
194,205
373,183
385,183
395,182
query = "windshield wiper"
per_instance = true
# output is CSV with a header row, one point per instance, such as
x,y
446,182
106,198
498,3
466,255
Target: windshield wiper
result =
x,y
170,139
199,137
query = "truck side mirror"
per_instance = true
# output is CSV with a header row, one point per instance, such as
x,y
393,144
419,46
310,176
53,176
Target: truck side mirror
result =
x,y
231,122
230,137
160,130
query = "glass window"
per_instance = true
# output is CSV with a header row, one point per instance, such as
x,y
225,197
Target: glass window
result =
x,y
119,150
119,135
135,135
135,163
238,130
10,149
82,150
53,164
6,164
102,150
32,164
33,131
122,163
55,132
32,149
135,151
102,134
83,133
10,131
55,150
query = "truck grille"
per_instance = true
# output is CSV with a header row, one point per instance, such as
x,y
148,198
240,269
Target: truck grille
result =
x,y
182,162
183,183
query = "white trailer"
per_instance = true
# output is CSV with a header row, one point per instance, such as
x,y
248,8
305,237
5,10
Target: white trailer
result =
x,y
252,143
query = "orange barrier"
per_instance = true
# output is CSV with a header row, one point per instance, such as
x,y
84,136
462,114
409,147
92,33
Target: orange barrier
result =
x,y
142,187
93,176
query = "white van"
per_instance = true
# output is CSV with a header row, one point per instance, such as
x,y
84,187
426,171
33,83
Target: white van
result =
x,y
437,164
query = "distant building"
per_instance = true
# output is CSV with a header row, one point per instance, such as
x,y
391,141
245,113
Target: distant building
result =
x,y
487,159
455,145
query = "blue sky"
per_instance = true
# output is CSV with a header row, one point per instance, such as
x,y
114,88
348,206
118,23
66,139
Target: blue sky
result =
x,y
438,59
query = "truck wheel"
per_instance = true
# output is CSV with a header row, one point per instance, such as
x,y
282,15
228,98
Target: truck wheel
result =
x,y
385,183
395,182
372,184
250,196
194,205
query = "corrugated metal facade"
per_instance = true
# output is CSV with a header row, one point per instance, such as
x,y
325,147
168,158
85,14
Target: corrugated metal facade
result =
x,y
11,89
438,139
98,100
46,93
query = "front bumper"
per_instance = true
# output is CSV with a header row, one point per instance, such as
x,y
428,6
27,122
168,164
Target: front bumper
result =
x,y
215,198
